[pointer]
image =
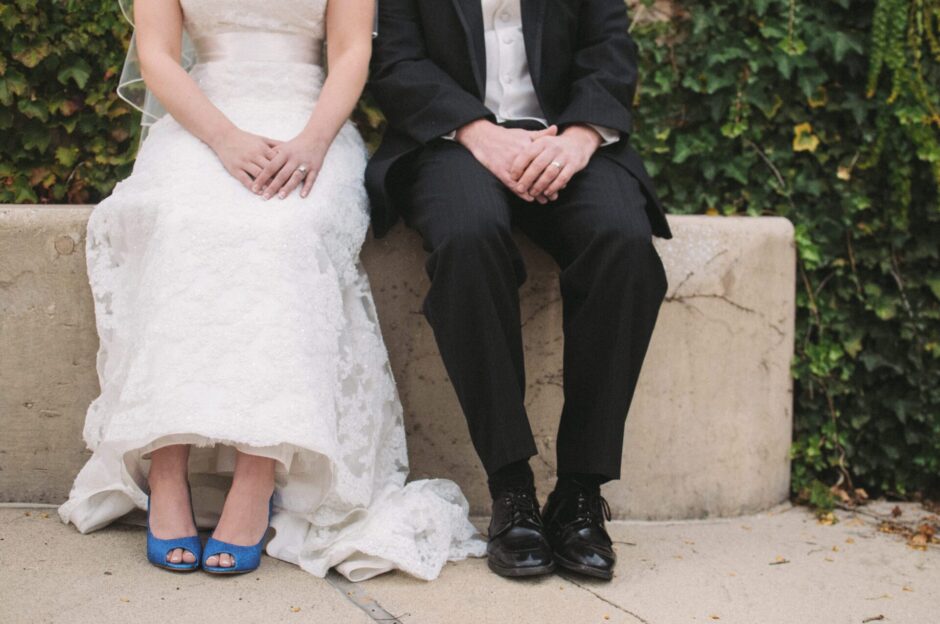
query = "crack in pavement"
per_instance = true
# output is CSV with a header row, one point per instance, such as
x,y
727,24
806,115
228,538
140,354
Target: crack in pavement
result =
x,y
355,594
568,578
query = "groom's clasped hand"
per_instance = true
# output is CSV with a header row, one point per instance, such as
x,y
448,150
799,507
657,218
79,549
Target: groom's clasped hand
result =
x,y
534,164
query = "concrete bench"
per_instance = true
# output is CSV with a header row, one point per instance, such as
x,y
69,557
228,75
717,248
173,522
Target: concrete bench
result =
x,y
708,435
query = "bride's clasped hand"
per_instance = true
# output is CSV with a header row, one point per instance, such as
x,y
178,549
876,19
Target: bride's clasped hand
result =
x,y
294,164
269,167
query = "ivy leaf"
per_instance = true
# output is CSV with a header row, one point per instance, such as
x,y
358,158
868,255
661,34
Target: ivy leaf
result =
x,y
934,284
78,72
803,138
66,156
843,43
31,57
36,137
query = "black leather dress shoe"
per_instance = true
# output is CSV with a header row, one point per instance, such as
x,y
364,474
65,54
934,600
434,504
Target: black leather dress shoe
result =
x,y
518,546
574,523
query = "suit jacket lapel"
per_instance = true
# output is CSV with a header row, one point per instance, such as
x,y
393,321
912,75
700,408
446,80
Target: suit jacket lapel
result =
x,y
471,17
533,18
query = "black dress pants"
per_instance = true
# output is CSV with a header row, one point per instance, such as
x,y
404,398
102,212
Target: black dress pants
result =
x,y
612,285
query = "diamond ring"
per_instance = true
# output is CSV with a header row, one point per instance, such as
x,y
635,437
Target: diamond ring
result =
x,y
556,164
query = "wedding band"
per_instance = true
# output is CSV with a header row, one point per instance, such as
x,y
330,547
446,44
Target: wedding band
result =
x,y
557,164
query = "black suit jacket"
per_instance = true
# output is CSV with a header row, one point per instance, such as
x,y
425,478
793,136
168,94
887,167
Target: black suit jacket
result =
x,y
428,77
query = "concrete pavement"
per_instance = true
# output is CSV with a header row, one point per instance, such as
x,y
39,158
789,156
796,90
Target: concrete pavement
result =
x,y
781,566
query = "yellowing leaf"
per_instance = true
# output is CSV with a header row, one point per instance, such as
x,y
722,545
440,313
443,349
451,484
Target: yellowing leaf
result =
x,y
803,138
819,99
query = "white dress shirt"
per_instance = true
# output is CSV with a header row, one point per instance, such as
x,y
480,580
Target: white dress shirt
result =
x,y
510,94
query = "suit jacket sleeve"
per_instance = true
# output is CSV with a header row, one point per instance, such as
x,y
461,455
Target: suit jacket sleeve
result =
x,y
604,70
418,97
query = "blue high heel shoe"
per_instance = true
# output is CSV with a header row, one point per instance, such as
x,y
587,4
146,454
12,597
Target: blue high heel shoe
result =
x,y
157,549
244,558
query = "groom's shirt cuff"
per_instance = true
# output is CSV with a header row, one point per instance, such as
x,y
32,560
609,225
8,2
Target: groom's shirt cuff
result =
x,y
609,136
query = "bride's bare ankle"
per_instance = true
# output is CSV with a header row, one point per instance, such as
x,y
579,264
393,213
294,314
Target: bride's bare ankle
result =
x,y
254,472
169,467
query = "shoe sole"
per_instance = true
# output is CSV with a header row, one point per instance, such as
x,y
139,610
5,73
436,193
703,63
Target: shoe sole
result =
x,y
580,568
224,572
171,569
521,572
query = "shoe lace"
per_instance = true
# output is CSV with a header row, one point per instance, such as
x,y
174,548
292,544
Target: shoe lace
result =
x,y
522,505
592,510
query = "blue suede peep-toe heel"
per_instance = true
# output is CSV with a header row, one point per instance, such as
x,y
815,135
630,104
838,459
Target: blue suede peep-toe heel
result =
x,y
158,549
244,558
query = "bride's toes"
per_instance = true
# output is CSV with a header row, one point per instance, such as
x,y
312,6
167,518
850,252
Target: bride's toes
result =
x,y
180,555
213,561
225,561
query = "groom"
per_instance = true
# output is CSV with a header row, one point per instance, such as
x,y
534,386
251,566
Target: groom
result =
x,y
507,113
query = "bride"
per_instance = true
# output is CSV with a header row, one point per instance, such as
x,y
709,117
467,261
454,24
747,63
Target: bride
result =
x,y
244,381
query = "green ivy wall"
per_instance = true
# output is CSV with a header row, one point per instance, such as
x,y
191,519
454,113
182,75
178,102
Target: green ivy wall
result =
x,y
822,112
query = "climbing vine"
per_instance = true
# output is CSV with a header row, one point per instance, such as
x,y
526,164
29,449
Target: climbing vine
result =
x,y
823,112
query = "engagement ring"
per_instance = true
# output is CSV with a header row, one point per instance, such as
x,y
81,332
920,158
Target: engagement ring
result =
x,y
302,169
557,164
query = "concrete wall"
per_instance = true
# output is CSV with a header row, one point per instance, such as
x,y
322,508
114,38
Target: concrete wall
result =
x,y
708,434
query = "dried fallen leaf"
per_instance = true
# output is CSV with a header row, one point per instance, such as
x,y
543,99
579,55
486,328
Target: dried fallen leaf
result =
x,y
896,512
125,599
779,560
877,618
907,589
842,494
849,540
827,519
295,609
918,541
835,549
714,617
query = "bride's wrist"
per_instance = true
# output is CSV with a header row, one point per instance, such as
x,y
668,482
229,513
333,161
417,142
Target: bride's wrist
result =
x,y
315,140
221,136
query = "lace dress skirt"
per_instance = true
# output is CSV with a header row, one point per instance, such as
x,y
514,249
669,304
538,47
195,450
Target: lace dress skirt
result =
x,y
229,322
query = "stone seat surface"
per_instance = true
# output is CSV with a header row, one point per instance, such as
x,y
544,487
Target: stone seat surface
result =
x,y
708,434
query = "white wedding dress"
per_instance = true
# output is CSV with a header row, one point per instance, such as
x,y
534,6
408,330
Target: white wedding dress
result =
x,y
230,322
